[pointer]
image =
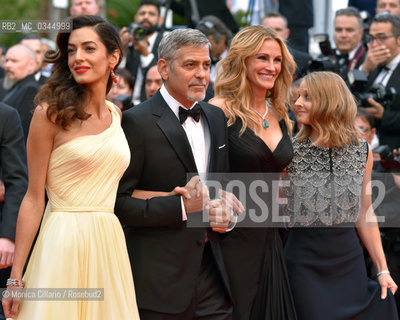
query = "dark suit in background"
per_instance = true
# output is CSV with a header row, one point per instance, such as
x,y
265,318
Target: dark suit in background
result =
x,y
21,98
13,172
302,60
300,17
389,126
217,8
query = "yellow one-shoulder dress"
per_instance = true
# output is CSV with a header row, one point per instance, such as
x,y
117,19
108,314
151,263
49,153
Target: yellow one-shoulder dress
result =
x,y
81,242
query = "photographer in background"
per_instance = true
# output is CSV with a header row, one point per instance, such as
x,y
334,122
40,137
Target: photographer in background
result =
x,y
382,67
220,38
121,92
350,51
141,41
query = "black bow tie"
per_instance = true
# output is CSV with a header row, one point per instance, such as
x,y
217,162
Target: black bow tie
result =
x,y
194,113
383,67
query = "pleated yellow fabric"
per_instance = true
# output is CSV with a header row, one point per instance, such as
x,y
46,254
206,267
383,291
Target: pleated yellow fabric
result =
x,y
81,243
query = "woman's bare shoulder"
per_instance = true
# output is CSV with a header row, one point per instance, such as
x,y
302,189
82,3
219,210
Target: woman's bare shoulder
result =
x,y
41,121
218,101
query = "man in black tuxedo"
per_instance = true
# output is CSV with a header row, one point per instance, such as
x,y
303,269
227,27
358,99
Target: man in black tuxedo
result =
x,y
20,68
348,32
382,65
13,173
178,270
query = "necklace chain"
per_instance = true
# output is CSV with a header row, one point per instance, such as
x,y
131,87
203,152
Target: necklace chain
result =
x,y
265,122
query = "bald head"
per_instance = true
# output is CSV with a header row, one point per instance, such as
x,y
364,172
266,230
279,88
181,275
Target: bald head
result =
x,y
36,46
20,62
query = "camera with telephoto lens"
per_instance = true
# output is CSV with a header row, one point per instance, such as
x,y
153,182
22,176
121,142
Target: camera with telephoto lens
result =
x,y
387,159
358,85
139,32
327,62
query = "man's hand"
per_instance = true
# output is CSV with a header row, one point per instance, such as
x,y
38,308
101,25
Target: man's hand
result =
x,y
219,214
125,37
6,252
375,56
232,201
375,108
141,46
198,195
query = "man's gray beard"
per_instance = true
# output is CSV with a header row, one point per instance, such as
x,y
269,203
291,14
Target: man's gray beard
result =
x,y
8,83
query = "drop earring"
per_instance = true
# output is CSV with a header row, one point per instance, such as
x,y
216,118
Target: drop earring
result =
x,y
113,76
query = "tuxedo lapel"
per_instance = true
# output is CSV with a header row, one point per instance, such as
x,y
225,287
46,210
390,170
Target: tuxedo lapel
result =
x,y
394,78
372,77
172,129
212,125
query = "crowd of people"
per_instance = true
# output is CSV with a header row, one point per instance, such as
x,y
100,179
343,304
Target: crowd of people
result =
x,y
119,149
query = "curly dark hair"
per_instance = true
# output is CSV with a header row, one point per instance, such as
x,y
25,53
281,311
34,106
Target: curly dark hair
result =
x,y
65,97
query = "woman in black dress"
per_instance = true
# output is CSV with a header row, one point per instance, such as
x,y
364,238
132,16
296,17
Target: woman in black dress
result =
x,y
329,199
252,87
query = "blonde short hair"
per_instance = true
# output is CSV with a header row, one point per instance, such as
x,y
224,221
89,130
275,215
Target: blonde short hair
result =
x,y
333,110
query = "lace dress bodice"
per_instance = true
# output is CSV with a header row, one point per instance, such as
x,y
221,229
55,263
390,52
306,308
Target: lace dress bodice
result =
x,y
325,184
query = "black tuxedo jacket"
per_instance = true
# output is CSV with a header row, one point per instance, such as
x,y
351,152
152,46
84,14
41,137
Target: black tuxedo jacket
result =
x,y
302,60
13,169
133,63
165,254
389,126
21,98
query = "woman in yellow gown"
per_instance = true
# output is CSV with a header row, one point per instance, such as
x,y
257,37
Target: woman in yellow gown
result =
x,y
77,151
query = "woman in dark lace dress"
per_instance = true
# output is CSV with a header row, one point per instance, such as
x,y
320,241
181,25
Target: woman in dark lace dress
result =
x,y
252,86
329,200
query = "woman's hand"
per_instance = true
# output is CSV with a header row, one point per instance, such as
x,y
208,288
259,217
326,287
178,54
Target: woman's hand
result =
x,y
145,194
180,191
10,306
386,282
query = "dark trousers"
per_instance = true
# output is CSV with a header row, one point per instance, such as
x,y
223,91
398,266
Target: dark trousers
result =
x,y
209,302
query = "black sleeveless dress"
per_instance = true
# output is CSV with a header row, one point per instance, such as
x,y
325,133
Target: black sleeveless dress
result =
x,y
253,253
324,257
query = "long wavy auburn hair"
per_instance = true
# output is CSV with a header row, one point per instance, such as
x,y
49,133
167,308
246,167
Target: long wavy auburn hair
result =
x,y
66,98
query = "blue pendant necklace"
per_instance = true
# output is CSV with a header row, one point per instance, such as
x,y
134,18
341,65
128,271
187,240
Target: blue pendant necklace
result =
x,y
265,122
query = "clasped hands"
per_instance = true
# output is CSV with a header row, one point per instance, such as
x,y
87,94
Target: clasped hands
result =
x,y
221,211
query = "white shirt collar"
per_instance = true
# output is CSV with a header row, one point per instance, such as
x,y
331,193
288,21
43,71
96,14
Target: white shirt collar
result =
x,y
393,64
352,53
151,40
171,101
